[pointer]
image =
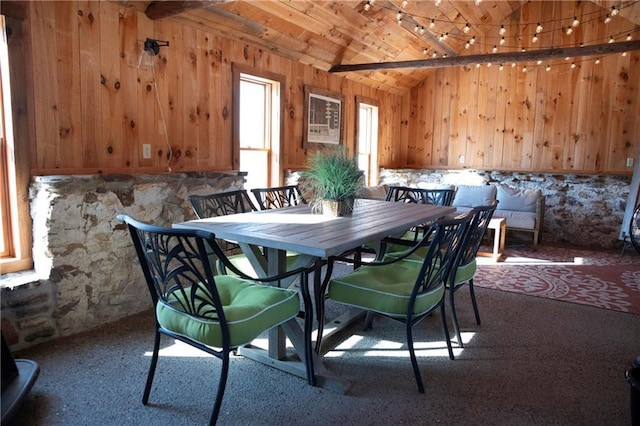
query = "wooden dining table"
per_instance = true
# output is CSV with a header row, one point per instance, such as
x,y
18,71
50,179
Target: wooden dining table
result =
x,y
266,236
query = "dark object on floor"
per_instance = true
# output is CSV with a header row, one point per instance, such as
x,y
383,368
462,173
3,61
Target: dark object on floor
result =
x,y
18,377
633,377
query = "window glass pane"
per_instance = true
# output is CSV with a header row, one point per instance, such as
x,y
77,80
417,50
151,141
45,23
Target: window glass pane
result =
x,y
256,162
253,98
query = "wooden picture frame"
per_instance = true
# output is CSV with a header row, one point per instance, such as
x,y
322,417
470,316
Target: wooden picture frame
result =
x,y
323,117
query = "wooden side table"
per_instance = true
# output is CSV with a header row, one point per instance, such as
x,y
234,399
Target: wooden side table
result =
x,y
499,227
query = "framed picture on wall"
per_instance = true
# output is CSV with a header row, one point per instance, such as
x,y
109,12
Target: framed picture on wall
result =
x,y
322,117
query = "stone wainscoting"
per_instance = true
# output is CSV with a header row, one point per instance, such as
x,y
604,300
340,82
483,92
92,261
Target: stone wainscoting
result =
x,y
86,270
584,210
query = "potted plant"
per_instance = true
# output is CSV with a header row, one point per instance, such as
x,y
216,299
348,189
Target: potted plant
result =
x,y
333,178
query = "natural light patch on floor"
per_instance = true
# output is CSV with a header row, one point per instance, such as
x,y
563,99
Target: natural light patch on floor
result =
x,y
396,349
521,260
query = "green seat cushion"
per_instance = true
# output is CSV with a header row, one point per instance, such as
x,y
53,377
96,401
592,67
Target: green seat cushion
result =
x,y
249,309
464,273
385,289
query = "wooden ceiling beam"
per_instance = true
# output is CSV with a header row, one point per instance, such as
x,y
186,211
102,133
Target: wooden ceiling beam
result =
x,y
497,58
165,9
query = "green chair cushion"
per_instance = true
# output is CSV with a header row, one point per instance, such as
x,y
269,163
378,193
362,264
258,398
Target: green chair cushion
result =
x,y
464,273
249,309
385,289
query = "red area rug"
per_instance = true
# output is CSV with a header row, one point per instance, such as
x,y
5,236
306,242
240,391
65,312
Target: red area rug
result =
x,y
600,279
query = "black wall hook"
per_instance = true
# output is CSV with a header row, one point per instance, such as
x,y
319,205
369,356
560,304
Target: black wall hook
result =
x,y
152,46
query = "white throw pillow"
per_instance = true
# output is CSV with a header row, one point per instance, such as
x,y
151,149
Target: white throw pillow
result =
x,y
521,200
474,195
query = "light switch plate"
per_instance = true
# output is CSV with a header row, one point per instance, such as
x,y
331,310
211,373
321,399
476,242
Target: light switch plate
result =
x,y
146,150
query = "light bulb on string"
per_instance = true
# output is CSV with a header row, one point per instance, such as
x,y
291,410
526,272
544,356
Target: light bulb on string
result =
x,y
432,24
416,28
495,48
573,64
597,61
438,2
478,2
611,40
404,4
569,30
501,67
534,39
466,28
513,64
607,19
467,45
614,11
367,6
538,28
434,54
575,22
502,31
473,40
421,30
488,64
548,68
424,51
629,38
524,69
539,61
502,41
477,65
399,16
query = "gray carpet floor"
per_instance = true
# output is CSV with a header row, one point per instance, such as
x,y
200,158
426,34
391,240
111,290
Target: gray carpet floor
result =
x,y
532,361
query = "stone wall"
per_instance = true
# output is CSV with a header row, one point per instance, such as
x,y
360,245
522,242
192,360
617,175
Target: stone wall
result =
x,y
86,270
584,210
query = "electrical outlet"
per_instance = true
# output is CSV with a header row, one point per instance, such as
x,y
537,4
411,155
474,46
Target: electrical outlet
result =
x,y
630,162
461,159
146,150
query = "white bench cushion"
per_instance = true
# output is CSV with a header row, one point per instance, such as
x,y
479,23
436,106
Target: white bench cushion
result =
x,y
515,219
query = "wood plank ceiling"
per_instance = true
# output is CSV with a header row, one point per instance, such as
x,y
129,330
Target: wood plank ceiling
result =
x,y
327,34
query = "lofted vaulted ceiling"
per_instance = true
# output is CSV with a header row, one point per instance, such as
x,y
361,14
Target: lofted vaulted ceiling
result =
x,y
330,34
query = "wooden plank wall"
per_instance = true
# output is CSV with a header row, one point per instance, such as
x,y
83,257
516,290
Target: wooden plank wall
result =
x,y
94,107
582,119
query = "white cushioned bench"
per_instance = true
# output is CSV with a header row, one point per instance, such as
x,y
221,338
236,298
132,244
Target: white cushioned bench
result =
x,y
523,209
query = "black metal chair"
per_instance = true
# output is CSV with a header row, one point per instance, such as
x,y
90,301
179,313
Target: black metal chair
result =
x,y
466,265
278,197
439,197
222,204
406,290
214,313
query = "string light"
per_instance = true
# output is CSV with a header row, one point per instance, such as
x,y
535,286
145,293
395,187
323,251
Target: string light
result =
x,y
467,45
539,61
466,28
539,28
434,54
421,30
495,48
611,40
534,39
424,51
432,24
367,6
502,31
502,41
607,19
478,2
575,22
399,16
488,64
614,11
573,64
548,68
501,67
513,64
473,40
477,65
569,30
524,69
629,38
404,4
416,28
438,3
597,61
